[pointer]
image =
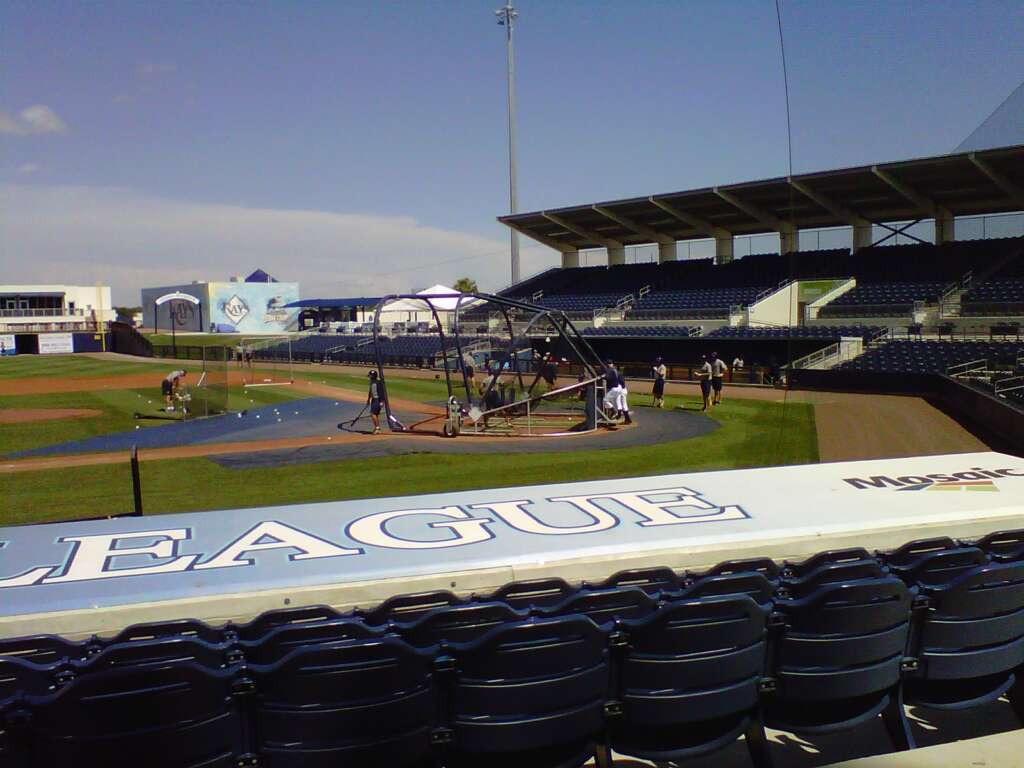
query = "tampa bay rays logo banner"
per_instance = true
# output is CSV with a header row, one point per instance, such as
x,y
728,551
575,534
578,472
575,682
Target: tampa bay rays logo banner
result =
x,y
142,560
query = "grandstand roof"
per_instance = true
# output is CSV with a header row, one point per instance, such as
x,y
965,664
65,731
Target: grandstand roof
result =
x,y
360,301
969,183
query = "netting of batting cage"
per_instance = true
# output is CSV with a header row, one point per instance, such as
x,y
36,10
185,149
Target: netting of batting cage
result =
x,y
263,361
510,368
209,394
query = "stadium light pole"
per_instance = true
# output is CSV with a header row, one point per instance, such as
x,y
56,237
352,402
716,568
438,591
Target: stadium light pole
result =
x,y
506,18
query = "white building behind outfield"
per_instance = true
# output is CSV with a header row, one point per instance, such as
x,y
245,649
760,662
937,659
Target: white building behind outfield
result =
x,y
41,308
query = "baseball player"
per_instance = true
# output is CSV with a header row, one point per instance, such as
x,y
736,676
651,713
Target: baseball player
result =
x,y
718,369
373,400
169,386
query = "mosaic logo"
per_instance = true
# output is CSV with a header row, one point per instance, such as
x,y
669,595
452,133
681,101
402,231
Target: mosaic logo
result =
x,y
974,479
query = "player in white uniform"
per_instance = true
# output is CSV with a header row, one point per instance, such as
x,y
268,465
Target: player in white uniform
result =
x,y
718,369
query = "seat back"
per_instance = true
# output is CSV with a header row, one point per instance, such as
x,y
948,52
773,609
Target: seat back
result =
x,y
409,607
844,640
751,583
176,714
797,570
606,605
533,593
280,641
161,651
277,618
532,686
358,702
1003,546
938,567
459,623
693,661
653,581
43,649
974,625
831,573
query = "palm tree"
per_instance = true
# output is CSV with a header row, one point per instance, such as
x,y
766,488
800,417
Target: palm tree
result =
x,y
465,285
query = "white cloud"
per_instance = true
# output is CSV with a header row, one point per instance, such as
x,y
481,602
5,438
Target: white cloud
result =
x,y
131,240
27,169
32,120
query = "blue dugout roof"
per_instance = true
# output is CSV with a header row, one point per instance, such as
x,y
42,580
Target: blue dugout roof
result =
x,y
360,301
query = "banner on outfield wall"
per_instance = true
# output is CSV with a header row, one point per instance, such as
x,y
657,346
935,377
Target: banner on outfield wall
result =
x,y
87,566
56,343
7,346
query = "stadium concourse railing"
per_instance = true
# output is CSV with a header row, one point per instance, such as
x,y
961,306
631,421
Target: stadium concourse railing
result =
x,y
651,663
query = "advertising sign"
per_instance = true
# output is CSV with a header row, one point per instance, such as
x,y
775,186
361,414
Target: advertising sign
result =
x,y
254,307
245,557
56,343
7,348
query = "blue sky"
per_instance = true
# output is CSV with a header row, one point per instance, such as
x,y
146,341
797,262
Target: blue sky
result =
x,y
361,146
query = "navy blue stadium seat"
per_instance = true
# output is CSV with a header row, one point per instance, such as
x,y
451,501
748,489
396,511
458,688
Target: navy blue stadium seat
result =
x,y
653,581
408,607
44,649
179,715
359,703
838,660
689,679
534,593
530,693
1003,546
457,623
970,644
278,642
606,606
268,620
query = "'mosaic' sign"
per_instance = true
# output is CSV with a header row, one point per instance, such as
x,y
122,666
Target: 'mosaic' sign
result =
x,y
583,528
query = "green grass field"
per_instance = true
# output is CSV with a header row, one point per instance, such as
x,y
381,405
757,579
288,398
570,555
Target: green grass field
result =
x,y
752,433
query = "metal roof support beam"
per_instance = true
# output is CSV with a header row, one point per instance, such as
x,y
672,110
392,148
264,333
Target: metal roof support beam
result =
x,y
666,244
1012,191
550,242
862,232
703,226
943,218
787,232
616,250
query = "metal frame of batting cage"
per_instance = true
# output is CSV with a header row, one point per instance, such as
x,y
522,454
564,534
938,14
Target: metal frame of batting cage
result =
x,y
590,360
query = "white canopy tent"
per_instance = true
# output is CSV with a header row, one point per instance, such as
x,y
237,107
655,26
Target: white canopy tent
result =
x,y
412,311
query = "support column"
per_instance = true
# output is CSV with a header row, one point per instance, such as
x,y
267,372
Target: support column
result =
x,y
944,227
570,259
667,252
616,255
788,241
862,236
723,249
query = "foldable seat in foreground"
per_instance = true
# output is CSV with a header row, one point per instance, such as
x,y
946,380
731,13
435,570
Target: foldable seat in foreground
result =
x,y
689,679
529,694
838,659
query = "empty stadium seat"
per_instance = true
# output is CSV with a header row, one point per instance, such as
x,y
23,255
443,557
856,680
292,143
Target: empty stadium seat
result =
x,y
689,680
839,659
364,702
530,693
179,715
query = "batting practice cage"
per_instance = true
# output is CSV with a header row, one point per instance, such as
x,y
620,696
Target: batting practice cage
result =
x,y
208,394
264,361
511,368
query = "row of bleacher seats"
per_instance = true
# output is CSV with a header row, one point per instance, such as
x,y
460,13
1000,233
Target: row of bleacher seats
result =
x,y
879,299
642,331
882,264
1001,293
901,356
865,332
399,349
650,663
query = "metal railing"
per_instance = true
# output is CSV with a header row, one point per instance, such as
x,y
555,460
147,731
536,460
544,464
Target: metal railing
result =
x,y
1009,384
44,312
808,361
970,368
